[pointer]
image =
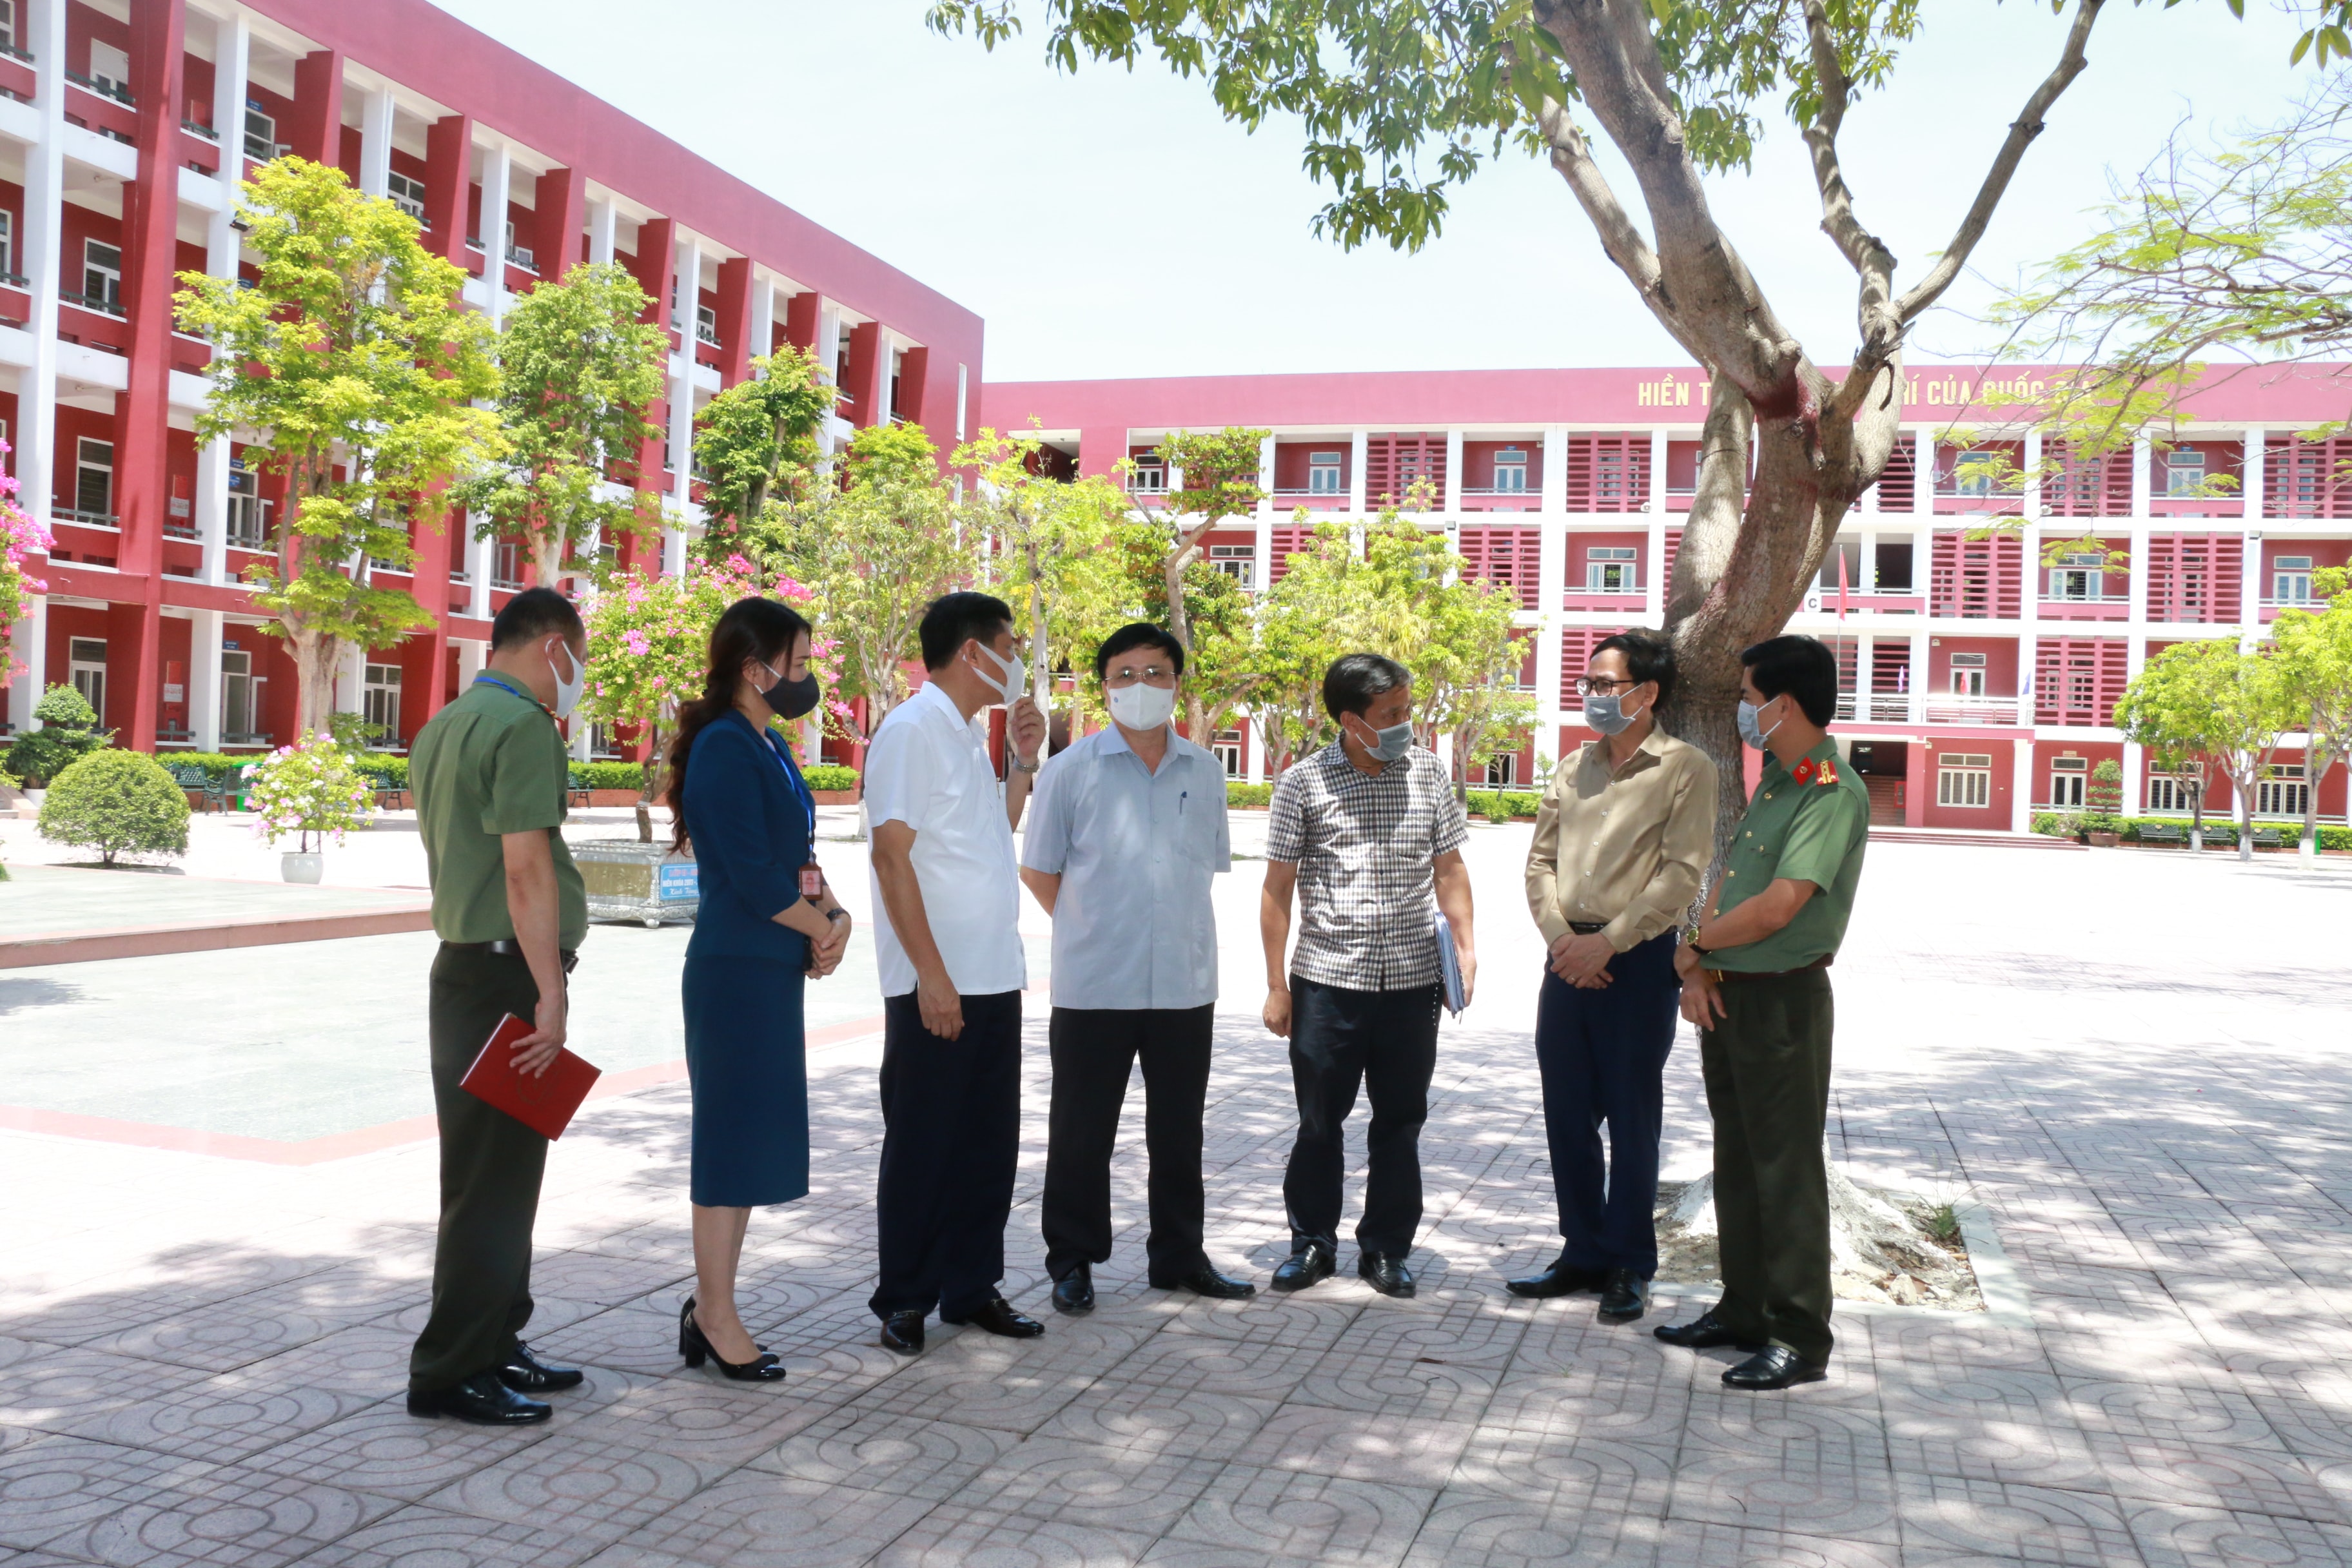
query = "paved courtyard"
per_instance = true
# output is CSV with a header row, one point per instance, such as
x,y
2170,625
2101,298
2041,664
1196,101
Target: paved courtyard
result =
x,y
2137,1063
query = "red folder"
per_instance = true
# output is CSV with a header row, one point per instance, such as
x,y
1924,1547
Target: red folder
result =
x,y
544,1104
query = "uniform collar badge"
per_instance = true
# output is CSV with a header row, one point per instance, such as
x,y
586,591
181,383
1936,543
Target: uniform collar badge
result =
x,y
1805,770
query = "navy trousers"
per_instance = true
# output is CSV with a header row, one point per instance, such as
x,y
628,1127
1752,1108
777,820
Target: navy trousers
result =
x,y
951,1143
1603,1057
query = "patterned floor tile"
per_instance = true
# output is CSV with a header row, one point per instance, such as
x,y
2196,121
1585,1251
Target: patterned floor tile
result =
x,y
230,1416
229,1516
878,1451
1348,1443
429,1537
594,1490
64,1388
756,1518
1297,1516
384,1450
1482,1529
1193,1424
1686,1544
50,1486
1945,1521
951,1536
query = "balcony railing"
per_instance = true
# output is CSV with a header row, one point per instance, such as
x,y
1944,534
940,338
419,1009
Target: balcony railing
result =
x,y
2085,606
243,738
194,128
1942,708
14,53
99,302
113,89
15,280
105,519
1313,501
516,256
179,528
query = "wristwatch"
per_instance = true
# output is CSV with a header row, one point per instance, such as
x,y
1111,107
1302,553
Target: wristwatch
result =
x,y
1020,767
835,913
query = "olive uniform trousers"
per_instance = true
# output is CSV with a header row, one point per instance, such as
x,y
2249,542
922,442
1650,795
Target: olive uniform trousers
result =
x,y
1767,1069
491,1170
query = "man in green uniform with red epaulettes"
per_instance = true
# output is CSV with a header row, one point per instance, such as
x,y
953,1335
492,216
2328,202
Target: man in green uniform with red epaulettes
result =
x,y
1756,983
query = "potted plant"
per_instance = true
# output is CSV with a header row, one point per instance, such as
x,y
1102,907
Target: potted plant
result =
x,y
309,789
2103,822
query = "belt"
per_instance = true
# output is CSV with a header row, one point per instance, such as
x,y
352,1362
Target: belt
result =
x,y
1588,928
1720,975
570,955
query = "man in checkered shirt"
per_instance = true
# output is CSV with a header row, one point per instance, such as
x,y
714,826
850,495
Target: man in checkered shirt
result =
x,y
1369,833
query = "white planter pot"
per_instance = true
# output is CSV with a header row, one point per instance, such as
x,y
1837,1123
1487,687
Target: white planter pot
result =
x,y
37,795
298,867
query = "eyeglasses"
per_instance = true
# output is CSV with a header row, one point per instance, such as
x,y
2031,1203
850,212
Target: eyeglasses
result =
x,y
1601,686
1150,674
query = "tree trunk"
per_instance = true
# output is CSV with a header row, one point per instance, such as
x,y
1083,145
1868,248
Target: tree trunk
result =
x,y
655,770
547,558
2314,768
2244,790
316,658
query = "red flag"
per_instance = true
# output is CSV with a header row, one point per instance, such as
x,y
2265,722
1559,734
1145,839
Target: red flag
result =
x,y
1841,581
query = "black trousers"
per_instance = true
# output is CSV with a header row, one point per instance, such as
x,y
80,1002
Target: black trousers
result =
x,y
490,1170
1766,1066
1094,1051
1602,1053
1387,1042
950,1139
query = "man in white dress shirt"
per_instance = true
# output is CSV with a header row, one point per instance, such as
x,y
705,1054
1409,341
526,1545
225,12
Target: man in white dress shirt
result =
x,y
1128,833
947,899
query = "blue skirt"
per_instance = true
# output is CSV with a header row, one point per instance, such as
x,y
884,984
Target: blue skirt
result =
x,y
747,1061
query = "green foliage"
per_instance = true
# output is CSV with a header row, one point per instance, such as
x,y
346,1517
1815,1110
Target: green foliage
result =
x,y
2201,700
1248,794
829,775
1501,806
2313,653
351,733
309,788
2065,824
382,769
577,368
353,364
117,802
649,642
608,776
758,436
68,731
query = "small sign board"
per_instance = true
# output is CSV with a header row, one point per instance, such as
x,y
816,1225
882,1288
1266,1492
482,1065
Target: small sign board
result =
x,y
678,882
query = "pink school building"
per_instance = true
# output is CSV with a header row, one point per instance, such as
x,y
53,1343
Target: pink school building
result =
x,y
125,127
1978,684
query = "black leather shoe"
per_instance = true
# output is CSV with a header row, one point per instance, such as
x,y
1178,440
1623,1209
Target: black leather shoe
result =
x,y
903,1332
1624,1296
1701,1333
1774,1366
1387,1275
1303,1267
482,1399
1206,1281
999,1318
1558,1280
1075,1292
526,1373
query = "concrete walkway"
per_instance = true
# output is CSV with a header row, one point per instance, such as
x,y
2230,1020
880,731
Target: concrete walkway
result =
x,y
2135,1060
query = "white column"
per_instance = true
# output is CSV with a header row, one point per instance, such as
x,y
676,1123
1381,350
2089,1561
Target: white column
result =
x,y
2251,487
2020,789
37,403
30,645
1551,579
375,141
205,629
1261,547
2032,499
498,180
1865,673
1865,577
763,318
2140,453
2135,611
2250,594
1453,500
602,225
2135,766
1657,496
1654,574
212,509
348,678
1916,698
963,402
478,576
1554,498
1359,452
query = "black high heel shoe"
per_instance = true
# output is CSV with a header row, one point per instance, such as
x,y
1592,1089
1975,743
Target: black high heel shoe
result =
x,y
695,1349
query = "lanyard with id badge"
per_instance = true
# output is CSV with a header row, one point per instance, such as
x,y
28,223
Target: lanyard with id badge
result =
x,y
811,874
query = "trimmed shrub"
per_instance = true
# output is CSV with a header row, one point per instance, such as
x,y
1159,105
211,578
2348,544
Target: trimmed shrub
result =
x,y
385,771
117,802
68,732
830,775
607,775
1248,793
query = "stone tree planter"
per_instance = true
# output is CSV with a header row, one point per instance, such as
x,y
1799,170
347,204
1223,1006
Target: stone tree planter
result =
x,y
2101,838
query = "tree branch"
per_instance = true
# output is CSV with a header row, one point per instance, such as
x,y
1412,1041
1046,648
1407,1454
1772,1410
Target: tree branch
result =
x,y
2028,125
1620,239
1873,262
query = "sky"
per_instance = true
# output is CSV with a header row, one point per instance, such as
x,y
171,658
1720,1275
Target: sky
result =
x,y
1106,223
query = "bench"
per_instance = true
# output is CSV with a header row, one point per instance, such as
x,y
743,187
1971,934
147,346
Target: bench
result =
x,y
2268,838
391,797
2163,833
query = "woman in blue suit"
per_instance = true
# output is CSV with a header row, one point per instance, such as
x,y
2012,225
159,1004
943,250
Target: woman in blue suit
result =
x,y
768,921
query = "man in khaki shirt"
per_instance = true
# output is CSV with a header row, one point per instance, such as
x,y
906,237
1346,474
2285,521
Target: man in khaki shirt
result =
x,y
1622,839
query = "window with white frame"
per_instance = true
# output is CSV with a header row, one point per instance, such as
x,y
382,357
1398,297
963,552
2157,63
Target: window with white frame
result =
x,y
380,700
249,514
1323,469
110,68
2078,577
406,194
1228,748
1973,472
1611,569
1148,476
706,325
1613,474
240,697
2170,792
1964,778
8,243
2067,777
86,667
603,741
2184,472
101,276
93,481
1503,770
260,134
520,256
506,564
2290,579
1967,675
8,25
1511,470
1238,561
2284,794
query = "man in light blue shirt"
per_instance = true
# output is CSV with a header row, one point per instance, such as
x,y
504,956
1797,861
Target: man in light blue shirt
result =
x,y
1126,830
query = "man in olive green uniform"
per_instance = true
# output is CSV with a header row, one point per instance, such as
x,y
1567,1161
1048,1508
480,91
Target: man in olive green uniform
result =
x,y
1756,982
489,774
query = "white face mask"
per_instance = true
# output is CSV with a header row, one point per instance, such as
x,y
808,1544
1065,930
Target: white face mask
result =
x,y
567,692
1142,706
1014,684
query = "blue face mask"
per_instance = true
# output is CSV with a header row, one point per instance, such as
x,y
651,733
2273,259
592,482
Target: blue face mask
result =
x,y
1748,730
1390,743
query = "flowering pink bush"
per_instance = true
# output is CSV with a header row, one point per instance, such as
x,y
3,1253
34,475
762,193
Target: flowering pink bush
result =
x,y
20,536
309,787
